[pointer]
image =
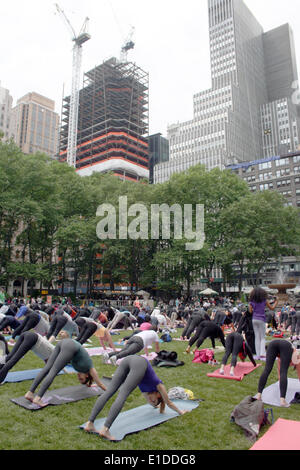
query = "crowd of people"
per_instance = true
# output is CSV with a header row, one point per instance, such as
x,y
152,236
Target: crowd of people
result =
x,y
241,328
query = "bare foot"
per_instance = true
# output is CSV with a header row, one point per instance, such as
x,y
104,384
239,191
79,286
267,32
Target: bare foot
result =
x,y
90,427
38,401
284,404
104,432
29,396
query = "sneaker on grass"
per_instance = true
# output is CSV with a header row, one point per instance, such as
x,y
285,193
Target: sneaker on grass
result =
x,y
105,357
113,359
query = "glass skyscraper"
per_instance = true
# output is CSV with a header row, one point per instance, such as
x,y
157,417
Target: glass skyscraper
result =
x,y
248,113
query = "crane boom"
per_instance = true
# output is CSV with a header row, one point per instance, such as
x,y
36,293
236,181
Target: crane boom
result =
x,y
128,44
79,40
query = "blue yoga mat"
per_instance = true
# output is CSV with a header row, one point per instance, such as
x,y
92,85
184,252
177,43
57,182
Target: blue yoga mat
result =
x,y
143,417
20,376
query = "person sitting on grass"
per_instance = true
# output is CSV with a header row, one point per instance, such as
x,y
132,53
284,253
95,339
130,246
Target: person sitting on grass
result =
x,y
134,371
65,352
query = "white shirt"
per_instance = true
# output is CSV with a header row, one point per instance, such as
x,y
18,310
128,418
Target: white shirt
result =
x,y
148,337
4,309
155,312
43,348
42,327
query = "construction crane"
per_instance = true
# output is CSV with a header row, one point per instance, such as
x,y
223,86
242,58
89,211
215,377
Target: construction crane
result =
x,y
128,44
79,40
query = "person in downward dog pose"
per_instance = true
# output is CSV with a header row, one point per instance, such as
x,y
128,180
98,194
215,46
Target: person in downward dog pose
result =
x,y
135,344
286,356
27,341
134,371
195,319
3,349
207,329
65,352
61,320
89,327
124,317
236,345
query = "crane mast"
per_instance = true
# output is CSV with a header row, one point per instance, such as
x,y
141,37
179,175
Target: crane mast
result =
x,y
78,40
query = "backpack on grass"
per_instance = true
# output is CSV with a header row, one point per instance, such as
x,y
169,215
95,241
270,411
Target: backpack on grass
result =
x,y
250,415
167,359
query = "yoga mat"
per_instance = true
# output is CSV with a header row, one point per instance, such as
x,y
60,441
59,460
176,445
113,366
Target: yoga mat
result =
x,y
21,375
100,351
241,369
143,417
271,394
283,435
150,357
62,396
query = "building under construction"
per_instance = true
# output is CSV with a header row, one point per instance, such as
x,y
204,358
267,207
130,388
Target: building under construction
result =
x,y
113,121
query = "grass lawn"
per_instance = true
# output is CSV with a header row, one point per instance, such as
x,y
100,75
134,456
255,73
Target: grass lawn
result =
x,y
206,428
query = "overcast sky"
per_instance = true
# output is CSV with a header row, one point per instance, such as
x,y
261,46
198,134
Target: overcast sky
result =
x,y
171,43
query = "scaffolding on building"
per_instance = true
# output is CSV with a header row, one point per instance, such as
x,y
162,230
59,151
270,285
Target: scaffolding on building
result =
x,y
113,117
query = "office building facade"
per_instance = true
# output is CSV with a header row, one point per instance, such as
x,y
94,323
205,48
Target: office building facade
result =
x,y
35,124
6,102
158,152
240,118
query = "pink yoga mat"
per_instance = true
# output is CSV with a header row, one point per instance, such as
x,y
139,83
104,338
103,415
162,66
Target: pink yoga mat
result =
x,y
241,369
99,351
283,435
150,357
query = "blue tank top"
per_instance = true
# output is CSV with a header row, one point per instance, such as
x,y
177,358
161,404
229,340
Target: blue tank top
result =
x,y
150,380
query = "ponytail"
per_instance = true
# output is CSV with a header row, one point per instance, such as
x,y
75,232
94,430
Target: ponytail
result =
x,y
89,380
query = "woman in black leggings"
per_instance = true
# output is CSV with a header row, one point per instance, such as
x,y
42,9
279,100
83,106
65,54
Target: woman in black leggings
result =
x,y
207,329
61,321
134,371
193,322
30,321
29,340
237,346
87,328
9,322
297,321
286,355
67,350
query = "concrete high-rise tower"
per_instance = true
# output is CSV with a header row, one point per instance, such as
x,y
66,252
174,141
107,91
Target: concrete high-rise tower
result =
x,y
35,124
6,102
234,121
